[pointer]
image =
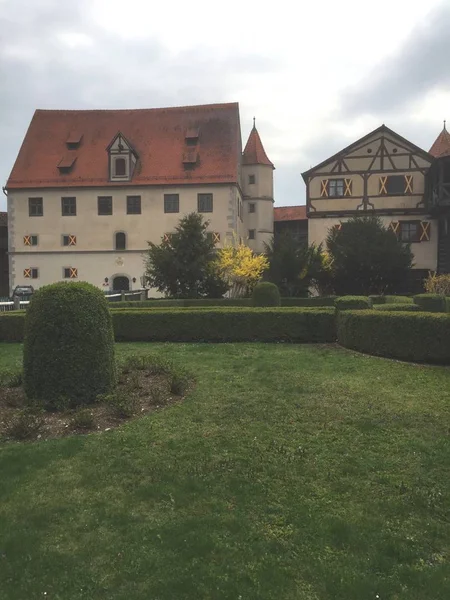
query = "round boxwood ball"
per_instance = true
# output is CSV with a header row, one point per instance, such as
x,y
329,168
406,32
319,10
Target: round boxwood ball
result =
x,y
68,353
266,294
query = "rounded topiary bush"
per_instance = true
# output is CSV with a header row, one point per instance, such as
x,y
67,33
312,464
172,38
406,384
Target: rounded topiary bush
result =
x,y
68,353
266,294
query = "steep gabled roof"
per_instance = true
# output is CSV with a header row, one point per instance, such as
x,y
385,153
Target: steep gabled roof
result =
x,y
441,146
254,153
157,135
289,213
382,129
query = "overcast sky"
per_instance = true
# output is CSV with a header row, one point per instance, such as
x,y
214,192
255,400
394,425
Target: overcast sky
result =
x,y
316,78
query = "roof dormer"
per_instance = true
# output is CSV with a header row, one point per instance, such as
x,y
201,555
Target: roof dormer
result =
x,y
122,158
74,140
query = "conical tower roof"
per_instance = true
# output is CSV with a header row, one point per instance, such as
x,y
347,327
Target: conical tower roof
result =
x,y
254,153
441,146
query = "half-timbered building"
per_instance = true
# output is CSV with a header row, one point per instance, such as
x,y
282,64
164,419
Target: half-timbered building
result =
x,y
383,174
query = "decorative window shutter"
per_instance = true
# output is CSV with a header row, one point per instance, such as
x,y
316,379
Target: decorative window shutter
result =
x,y
216,237
337,227
27,240
408,184
348,187
425,234
27,273
394,226
383,181
324,188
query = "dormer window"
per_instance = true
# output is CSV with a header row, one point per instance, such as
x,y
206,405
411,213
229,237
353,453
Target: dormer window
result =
x,y
119,167
122,159
74,140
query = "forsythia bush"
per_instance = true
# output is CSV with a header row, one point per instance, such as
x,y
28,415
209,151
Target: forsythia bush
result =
x,y
240,267
438,284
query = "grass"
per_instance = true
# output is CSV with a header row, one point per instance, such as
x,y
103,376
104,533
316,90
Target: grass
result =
x,y
290,472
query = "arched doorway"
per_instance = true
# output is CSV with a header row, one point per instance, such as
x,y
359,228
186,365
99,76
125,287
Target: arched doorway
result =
x,y
121,283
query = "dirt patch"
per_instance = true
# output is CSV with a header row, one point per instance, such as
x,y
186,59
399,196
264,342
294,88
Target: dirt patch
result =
x,y
139,392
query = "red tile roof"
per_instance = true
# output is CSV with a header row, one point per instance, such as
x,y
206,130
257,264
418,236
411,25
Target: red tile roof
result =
x,y
441,146
3,219
289,213
157,135
254,153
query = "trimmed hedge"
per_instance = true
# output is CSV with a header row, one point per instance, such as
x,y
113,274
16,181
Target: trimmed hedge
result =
x,y
352,303
203,324
397,307
12,326
433,302
315,301
418,337
375,300
217,325
68,353
266,293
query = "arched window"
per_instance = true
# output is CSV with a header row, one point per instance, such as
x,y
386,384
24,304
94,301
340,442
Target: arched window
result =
x,y
119,167
121,240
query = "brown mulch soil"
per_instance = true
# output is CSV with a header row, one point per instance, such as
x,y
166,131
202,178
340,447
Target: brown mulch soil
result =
x,y
142,392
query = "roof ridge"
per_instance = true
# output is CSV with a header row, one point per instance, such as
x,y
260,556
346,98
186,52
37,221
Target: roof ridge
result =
x,y
196,107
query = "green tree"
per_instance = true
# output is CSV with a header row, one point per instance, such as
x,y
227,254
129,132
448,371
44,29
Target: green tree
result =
x,y
292,265
367,258
182,265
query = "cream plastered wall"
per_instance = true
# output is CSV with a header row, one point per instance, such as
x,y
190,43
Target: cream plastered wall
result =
x,y
91,267
425,253
260,194
95,233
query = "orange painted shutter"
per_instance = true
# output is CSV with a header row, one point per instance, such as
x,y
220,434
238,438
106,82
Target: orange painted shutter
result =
x,y
425,234
348,187
408,184
394,226
324,188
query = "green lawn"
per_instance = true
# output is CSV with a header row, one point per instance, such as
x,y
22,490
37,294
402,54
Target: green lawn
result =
x,y
290,473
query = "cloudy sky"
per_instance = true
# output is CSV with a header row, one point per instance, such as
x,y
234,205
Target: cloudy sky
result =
x,y
316,77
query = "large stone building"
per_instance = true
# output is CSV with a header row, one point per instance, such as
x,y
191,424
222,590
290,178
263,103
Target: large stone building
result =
x,y
90,188
384,174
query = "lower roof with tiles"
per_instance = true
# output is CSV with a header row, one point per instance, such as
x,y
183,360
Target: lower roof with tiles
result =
x,y
289,213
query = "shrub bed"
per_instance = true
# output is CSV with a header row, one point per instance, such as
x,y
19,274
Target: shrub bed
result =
x,y
418,337
352,303
217,325
397,307
433,302
375,300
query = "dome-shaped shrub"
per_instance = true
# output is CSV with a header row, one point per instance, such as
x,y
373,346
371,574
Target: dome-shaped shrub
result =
x,y
266,294
68,345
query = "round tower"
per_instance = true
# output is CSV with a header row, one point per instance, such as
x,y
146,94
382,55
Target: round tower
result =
x,y
257,186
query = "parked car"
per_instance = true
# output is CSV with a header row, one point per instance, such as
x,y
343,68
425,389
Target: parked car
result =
x,y
24,292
